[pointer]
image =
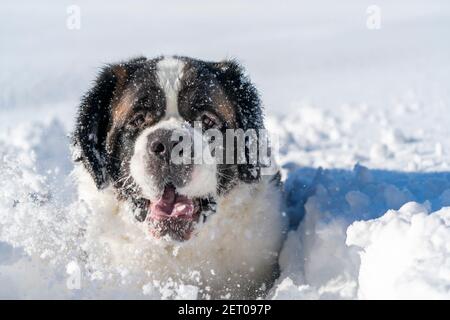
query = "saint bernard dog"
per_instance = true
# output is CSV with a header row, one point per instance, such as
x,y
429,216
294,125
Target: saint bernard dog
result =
x,y
216,225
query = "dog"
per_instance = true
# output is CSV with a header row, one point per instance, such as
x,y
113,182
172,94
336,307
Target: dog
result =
x,y
216,225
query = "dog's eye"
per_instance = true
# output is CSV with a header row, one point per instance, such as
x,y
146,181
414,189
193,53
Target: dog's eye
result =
x,y
208,121
137,121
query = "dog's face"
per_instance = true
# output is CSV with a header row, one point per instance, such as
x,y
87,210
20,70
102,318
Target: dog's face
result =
x,y
135,119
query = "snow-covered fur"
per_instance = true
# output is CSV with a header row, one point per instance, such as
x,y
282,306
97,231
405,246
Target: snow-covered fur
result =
x,y
214,224
233,254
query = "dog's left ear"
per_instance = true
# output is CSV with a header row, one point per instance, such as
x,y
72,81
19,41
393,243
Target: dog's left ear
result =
x,y
93,121
245,98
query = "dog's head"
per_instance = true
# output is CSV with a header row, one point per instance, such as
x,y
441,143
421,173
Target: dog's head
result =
x,y
138,116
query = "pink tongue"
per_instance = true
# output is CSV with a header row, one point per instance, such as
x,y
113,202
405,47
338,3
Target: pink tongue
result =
x,y
172,204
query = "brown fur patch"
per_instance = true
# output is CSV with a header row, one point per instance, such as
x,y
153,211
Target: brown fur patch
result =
x,y
220,103
121,109
120,103
224,107
121,74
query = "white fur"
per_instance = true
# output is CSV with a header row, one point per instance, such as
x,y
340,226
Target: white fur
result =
x,y
169,71
204,178
233,252
204,181
137,167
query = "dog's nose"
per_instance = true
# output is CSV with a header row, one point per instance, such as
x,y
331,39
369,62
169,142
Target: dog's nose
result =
x,y
161,163
160,143
157,147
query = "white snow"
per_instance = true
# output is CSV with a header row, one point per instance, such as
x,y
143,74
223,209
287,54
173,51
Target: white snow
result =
x,y
362,117
404,254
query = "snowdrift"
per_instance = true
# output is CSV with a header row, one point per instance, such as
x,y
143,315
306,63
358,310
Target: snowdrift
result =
x,y
361,115
355,233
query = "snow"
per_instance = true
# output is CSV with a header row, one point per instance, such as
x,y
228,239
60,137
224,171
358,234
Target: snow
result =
x,y
415,266
361,115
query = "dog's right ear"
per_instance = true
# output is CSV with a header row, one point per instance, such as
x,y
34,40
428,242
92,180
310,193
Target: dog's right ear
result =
x,y
93,121
243,94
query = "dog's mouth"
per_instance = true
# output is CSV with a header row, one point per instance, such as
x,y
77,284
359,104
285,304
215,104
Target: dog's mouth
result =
x,y
174,215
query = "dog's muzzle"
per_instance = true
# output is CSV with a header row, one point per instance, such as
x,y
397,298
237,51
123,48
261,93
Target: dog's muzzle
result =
x,y
160,162
179,198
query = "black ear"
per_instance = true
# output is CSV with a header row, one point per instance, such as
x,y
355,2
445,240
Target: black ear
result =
x,y
245,98
93,120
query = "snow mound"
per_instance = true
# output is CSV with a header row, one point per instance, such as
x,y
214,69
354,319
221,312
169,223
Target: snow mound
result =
x,y
350,242
405,254
386,110
360,233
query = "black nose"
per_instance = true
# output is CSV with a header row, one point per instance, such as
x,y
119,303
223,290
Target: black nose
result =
x,y
160,143
157,147
159,162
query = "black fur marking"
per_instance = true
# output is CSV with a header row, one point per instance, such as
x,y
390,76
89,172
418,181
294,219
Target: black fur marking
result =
x,y
245,98
220,88
93,120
